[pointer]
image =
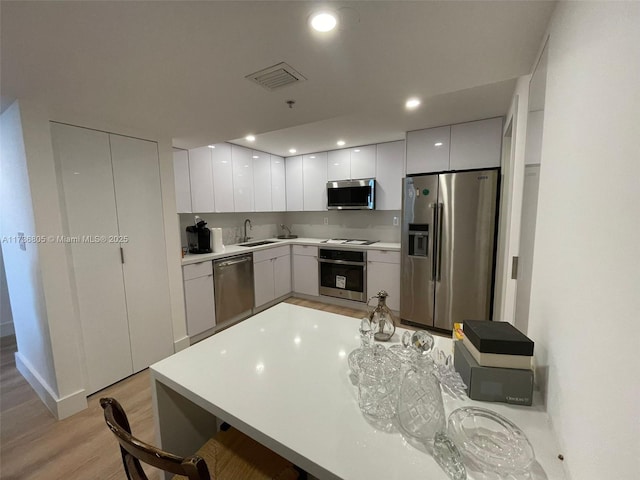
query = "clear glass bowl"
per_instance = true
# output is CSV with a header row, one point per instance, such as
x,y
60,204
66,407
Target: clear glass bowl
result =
x,y
488,442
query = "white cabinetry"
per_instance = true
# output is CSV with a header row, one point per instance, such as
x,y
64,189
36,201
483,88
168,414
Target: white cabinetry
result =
x,y
271,274
278,185
262,181
305,269
199,297
389,173
476,144
314,181
352,163
242,179
294,183
428,150
181,180
383,273
201,178
111,188
463,146
222,177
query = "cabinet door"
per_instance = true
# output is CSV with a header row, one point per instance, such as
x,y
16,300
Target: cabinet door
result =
x,y
339,164
222,177
428,150
242,179
363,162
282,275
314,178
384,276
263,282
389,173
278,186
181,180
476,144
305,275
136,176
199,300
262,181
201,178
293,168
84,162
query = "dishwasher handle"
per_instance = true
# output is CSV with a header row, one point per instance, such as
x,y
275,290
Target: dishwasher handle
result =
x,y
228,263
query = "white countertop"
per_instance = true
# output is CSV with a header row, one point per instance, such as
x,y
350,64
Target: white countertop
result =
x,y
231,250
282,376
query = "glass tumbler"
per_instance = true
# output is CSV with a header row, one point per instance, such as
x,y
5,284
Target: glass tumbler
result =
x,y
378,386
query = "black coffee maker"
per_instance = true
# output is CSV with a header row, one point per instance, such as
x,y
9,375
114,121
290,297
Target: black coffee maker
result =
x,y
199,237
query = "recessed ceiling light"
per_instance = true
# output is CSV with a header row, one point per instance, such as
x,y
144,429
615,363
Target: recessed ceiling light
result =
x,y
340,143
292,150
323,21
211,146
437,144
357,150
250,138
412,103
255,156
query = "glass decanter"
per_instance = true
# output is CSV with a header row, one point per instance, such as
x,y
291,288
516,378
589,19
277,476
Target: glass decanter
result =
x,y
382,314
366,348
378,383
420,407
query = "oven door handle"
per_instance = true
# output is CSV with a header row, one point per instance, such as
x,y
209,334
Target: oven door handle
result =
x,y
342,262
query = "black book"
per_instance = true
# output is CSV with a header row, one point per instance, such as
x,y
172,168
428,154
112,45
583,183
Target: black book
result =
x,y
497,337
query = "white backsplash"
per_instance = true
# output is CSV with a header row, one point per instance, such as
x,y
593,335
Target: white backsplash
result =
x,y
359,224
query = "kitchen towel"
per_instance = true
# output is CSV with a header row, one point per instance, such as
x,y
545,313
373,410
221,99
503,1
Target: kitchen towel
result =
x,y
216,240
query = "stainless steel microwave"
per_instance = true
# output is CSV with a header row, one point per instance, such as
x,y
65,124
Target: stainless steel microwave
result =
x,y
352,194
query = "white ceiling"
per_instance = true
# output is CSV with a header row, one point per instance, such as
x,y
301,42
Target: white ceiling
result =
x,y
177,68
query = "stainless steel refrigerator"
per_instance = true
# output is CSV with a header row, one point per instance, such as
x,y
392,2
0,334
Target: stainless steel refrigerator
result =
x,y
448,247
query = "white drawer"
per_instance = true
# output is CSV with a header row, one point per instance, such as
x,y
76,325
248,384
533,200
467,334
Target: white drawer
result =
x,y
308,250
384,256
196,270
269,253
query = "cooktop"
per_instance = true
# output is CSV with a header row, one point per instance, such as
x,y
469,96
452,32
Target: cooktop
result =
x,y
349,241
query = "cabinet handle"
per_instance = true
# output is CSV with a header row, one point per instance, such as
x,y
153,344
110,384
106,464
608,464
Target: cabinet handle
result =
x,y
122,255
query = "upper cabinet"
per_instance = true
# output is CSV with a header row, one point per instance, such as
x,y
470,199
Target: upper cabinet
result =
x,y
476,144
278,184
262,181
222,177
463,146
389,172
293,168
181,180
242,160
314,181
201,177
352,163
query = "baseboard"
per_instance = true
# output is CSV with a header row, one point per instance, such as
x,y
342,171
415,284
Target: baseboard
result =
x,y
60,407
181,344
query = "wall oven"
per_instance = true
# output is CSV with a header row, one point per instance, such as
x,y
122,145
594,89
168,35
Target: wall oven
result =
x,y
343,273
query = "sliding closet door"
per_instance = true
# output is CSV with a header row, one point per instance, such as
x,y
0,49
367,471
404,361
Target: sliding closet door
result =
x,y
139,203
84,161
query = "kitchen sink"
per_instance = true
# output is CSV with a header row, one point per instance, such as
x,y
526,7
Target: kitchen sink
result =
x,y
257,244
285,237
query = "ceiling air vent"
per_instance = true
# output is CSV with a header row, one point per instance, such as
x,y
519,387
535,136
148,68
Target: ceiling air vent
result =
x,y
276,76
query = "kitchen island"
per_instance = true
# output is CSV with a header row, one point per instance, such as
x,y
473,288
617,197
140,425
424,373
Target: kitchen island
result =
x,y
282,378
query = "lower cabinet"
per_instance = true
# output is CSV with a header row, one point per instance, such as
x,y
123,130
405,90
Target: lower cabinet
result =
x,y
383,273
271,274
199,298
305,270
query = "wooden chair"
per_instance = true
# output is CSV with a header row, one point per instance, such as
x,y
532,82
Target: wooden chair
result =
x,y
231,454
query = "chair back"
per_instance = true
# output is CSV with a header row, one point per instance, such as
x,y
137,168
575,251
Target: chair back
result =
x,y
135,451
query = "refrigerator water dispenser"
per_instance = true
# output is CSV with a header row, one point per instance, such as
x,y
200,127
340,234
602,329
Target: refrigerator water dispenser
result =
x,y
418,239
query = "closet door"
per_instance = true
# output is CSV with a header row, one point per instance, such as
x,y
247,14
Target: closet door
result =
x,y
84,164
139,203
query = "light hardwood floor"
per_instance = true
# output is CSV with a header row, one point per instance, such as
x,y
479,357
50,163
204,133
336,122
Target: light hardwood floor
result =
x,y
34,446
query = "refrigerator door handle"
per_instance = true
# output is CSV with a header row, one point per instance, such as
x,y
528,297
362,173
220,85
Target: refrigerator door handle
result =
x,y
439,233
434,242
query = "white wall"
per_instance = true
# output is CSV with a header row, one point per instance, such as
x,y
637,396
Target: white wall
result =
x,y
585,299
6,317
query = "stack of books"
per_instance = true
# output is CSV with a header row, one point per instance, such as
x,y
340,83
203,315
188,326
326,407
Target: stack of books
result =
x,y
495,361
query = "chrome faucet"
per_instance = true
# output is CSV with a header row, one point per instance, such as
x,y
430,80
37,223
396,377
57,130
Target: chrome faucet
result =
x,y
245,238
284,227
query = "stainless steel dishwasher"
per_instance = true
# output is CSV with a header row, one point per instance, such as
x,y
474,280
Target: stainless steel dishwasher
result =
x,y
233,284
